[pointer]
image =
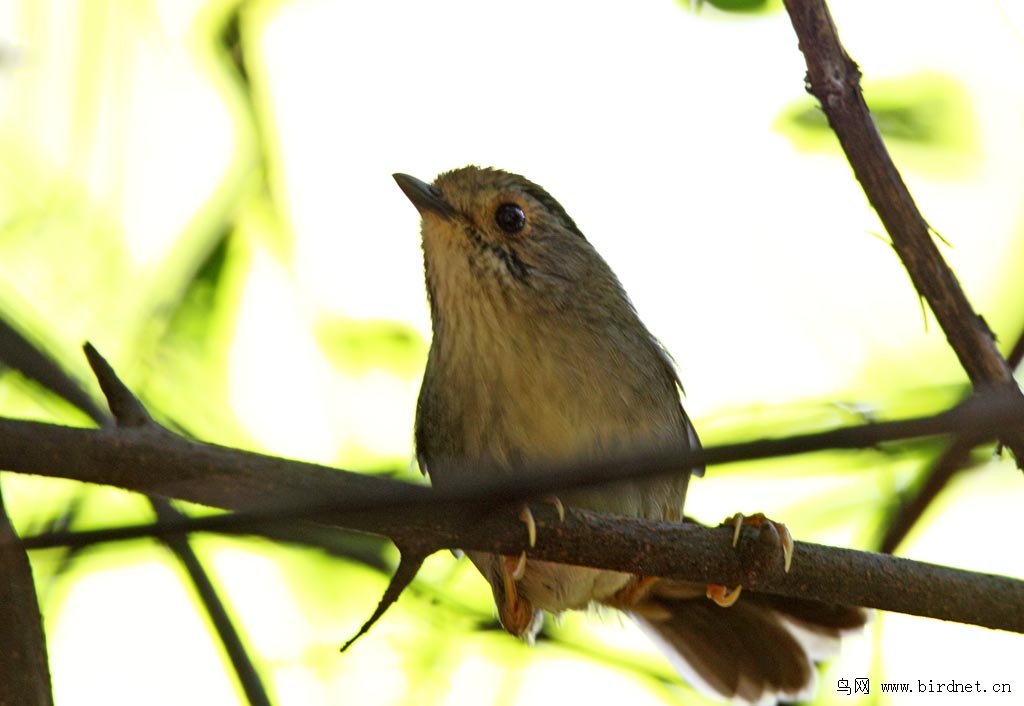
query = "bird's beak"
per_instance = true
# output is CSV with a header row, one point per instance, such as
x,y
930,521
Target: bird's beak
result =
x,y
426,198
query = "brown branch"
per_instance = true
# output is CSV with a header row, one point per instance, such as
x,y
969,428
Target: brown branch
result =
x,y
410,561
954,458
24,669
179,545
20,353
834,79
150,459
147,458
129,412
683,551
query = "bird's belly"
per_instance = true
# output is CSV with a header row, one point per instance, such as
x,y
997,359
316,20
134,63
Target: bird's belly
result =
x,y
558,420
558,587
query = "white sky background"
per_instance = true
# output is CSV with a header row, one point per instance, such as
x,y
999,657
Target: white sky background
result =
x,y
653,127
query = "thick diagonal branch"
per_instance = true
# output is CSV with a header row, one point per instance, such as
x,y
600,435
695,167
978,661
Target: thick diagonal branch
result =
x,y
834,79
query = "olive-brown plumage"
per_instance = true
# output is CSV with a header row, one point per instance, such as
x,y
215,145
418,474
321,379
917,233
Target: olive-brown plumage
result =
x,y
539,356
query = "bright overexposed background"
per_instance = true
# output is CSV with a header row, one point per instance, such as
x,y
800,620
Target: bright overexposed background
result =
x,y
233,242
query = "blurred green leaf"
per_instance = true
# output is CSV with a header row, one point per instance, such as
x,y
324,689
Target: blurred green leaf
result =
x,y
746,6
925,116
359,346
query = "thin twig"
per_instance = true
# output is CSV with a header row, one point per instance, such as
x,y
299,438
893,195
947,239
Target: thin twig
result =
x,y
19,352
686,551
244,667
956,457
129,412
953,459
152,459
411,559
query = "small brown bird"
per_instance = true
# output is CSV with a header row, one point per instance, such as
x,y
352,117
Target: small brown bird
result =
x,y
539,356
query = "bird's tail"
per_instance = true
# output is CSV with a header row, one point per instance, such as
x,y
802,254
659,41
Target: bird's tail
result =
x,y
760,650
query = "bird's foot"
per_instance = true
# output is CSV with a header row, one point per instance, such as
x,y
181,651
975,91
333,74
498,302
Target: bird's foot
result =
x,y
516,613
517,565
721,594
758,520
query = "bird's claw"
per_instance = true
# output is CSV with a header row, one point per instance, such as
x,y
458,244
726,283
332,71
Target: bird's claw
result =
x,y
557,504
516,613
526,516
758,520
515,568
721,594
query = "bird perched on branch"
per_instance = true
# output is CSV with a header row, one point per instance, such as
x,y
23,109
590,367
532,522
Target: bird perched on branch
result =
x,y
538,356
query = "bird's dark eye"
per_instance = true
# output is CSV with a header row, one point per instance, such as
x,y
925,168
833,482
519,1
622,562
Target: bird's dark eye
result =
x,y
510,218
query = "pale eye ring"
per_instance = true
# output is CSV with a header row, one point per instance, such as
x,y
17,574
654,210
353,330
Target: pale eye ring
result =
x,y
510,217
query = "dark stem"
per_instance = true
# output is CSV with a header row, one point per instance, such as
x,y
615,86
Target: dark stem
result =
x,y
834,79
24,669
